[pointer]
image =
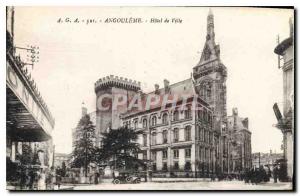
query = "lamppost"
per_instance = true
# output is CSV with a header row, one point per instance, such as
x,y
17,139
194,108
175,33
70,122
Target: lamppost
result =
x,y
149,171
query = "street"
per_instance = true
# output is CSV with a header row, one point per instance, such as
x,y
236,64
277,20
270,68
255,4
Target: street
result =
x,y
219,185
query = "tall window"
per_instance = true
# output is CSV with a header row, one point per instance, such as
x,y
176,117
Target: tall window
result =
x,y
153,121
187,133
205,115
176,166
129,123
187,113
176,153
200,114
188,152
211,137
144,123
165,118
154,138
176,115
209,117
135,124
165,154
165,167
205,136
145,139
200,136
165,136
176,135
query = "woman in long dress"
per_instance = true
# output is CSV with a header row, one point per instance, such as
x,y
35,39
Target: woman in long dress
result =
x,y
42,180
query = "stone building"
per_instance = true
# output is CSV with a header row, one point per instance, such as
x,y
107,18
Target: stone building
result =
x,y
210,82
189,134
240,148
285,51
176,138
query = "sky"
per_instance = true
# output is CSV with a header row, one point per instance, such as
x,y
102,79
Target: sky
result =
x,y
74,56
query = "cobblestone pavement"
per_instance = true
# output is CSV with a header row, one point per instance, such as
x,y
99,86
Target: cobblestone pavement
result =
x,y
222,185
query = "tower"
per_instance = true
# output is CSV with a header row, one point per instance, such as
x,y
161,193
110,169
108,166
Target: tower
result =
x,y
210,75
109,90
210,83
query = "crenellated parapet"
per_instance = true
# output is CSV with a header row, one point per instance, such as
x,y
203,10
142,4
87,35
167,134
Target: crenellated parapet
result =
x,y
115,81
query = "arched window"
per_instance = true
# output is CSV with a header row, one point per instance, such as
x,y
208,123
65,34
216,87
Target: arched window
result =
x,y
176,115
135,124
165,118
165,136
176,135
145,139
206,90
205,115
153,121
187,113
144,123
187,133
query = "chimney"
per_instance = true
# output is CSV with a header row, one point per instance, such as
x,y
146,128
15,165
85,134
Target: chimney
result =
x,y
156,86
166,85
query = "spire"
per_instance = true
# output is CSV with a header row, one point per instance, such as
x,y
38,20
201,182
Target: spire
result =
x,y
210,25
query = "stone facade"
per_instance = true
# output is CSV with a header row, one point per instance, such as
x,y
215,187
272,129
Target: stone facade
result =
x,y
285,50
210,82
180,139
176,139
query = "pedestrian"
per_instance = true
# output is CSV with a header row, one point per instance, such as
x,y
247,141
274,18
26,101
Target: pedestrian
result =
x,y
42,180
58,180
96,178
275,173
246,176
23,179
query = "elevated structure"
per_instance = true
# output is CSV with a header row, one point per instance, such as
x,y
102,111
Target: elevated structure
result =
x,y
28,120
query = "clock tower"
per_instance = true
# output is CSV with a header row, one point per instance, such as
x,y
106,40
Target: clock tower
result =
x,y
210,83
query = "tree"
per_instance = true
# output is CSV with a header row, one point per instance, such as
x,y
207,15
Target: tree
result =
x,y
119,147
84,151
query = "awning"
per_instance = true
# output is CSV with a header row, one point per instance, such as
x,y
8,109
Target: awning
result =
x,y
21,125
27,117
